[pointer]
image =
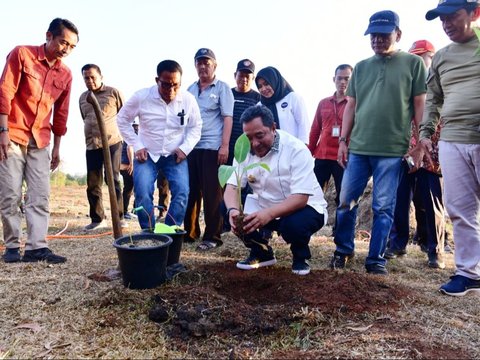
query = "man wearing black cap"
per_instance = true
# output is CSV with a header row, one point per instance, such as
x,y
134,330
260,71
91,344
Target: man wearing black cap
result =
x,y
244,97
215,100
452,96
377,119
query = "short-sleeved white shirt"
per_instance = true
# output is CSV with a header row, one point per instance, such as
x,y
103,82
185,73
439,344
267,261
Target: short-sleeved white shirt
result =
x,y
291,172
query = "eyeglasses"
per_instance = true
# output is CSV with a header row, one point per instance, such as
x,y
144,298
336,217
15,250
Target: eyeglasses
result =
x,y
167,86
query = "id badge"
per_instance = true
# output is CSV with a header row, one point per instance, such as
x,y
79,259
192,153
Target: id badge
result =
x,y
336,131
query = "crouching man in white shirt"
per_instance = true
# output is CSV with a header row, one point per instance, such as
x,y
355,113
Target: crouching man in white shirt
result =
x,y
287,199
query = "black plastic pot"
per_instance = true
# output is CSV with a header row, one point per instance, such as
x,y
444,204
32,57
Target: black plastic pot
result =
x,y
143,267
175,247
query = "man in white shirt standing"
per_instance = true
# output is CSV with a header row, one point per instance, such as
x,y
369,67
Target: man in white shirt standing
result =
x,y
169,127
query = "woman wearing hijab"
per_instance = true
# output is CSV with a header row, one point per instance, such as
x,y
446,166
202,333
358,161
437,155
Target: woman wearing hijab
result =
x,y
288,107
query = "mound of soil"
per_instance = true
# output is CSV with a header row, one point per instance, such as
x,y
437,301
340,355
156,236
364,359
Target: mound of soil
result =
x,y
220,299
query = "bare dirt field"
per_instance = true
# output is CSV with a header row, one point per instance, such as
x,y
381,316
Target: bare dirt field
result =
x,y
74,310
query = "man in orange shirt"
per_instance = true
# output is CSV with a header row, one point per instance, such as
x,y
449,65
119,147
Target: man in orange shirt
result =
x,y
35,85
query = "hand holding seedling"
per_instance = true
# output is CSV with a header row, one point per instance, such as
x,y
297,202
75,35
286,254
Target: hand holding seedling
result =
x,y
256,221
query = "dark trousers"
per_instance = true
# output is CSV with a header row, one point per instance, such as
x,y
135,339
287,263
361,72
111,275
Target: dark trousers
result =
x,y
429,187
204,185
400,231
296,229
424,188
324,169
127,189
95,176
162,186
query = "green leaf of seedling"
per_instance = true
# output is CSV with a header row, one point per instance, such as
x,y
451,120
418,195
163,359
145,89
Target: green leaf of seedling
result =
x,y
242,148
224,173
254,165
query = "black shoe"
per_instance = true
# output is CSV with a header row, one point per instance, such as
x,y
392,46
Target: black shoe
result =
x,y
376,269
11,255
339,260
435,261
255,262
392,254
300,267
44,254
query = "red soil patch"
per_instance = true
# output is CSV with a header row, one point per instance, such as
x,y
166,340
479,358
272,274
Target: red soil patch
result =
x,y
218,299
236,302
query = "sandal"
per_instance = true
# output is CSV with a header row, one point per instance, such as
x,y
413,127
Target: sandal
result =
x,y
207,245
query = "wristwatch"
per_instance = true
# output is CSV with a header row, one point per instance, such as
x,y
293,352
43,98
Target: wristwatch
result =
x,y
342,138
3,129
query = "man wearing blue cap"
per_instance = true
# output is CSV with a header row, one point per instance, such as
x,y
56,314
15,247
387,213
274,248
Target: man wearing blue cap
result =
x,y
377,119
452,96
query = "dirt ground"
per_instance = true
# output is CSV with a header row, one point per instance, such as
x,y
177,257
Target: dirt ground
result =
x,y
76,310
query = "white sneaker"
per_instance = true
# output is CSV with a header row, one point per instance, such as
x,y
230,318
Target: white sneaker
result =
x,y
96,225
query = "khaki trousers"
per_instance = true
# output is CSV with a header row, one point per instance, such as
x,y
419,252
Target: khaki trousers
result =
x,y
31,164
460,165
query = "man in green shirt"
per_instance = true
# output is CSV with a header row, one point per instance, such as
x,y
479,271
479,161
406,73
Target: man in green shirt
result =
x,y
385,92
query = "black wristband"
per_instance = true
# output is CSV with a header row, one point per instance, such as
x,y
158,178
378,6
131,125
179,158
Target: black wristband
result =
x,y
342,138
3,129
230,209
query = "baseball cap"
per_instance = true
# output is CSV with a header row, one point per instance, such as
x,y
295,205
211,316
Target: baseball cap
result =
x,y
420,47
246,65
447,7
205,53
383,22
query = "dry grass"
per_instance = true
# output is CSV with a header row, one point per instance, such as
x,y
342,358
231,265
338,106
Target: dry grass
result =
x,y
58,312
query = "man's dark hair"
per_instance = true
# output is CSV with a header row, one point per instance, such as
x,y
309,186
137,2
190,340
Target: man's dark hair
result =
x,y
343,67
169,66
58,24
260,111
91,66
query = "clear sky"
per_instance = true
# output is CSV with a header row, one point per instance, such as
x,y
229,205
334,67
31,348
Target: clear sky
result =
x,y
304,39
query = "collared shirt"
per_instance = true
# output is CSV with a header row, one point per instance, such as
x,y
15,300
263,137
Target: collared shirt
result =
x,y
161,127
291,172
384,88
30,90
215,102
329,115
110,100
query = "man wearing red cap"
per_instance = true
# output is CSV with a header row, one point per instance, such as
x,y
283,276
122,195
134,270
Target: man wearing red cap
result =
x,y
452,98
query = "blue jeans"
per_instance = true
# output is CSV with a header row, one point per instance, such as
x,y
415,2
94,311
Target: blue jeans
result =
x,y
386,175
144,177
